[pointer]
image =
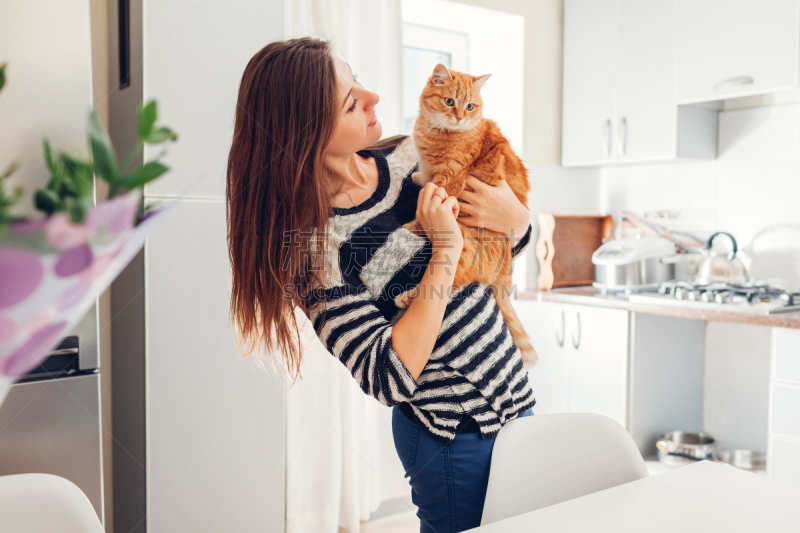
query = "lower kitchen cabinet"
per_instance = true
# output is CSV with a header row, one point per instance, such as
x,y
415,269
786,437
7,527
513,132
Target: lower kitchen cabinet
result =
x,y
583,358
783,447
643,371
783,459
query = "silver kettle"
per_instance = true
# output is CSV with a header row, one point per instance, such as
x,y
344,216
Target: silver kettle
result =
x,y
720,267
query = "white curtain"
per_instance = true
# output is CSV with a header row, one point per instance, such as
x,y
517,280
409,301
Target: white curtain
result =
x,y
367,34
340,457
341,462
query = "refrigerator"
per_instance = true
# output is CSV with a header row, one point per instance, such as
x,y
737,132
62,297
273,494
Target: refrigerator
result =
x,y
50,420
198,429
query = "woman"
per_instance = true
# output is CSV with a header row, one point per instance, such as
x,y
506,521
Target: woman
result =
x,y
315,215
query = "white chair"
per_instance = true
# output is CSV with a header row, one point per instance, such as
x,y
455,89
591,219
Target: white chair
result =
x,y
543,460
37,503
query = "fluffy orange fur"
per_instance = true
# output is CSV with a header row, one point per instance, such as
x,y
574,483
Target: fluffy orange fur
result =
x,y
454,140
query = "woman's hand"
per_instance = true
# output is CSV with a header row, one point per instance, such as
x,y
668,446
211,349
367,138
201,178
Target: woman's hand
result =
x,y
494,207
436,213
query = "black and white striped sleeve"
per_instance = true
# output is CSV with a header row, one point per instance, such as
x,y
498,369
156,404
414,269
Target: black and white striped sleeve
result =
x,y
523,243
355,331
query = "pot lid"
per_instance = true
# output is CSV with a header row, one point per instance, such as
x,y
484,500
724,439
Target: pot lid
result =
x,y
631,250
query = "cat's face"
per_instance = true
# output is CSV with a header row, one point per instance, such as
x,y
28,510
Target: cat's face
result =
x,y
452,100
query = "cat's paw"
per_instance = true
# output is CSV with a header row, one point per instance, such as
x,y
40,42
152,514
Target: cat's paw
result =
x,y
404,300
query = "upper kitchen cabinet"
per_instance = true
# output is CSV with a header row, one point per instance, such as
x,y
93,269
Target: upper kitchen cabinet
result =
x,y
732,48
588,105
619,101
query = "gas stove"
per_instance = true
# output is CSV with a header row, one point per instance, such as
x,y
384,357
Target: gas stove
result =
x,y
757,299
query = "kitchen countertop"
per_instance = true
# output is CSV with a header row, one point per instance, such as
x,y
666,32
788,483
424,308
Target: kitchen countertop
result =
x,y
588,295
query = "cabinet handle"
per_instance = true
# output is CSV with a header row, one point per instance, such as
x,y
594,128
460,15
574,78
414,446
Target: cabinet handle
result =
x,y
577,343
733,82
563,331
607,137
622,143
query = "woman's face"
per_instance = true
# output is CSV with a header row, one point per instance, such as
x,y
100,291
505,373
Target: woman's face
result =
x,y
358,125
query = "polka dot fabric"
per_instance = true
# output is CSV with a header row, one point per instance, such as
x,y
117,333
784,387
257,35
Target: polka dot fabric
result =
x,y
51,272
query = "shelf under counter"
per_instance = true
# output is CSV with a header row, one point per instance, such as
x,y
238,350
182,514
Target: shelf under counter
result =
x,y
588,295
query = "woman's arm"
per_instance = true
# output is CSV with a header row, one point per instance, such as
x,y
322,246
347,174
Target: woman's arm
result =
x,y
386,360
416,332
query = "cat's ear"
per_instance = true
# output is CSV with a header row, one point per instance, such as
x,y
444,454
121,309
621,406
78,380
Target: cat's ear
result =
x,y
478,81
440,75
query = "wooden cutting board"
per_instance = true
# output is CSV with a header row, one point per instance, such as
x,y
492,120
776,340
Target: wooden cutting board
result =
x,y
565,247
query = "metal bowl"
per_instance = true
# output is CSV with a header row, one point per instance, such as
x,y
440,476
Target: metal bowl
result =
x,y
745,459
696,446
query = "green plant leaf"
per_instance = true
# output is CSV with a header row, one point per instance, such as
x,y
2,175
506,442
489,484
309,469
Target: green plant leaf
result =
x,y
160,135
79,208
103,155
46,200
146,173
147,119
51,158
3,75
65,189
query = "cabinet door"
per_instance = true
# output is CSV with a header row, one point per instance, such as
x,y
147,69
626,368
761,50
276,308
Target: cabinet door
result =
x,y
729,48
646,114
548,377
590,37
784,459
597,344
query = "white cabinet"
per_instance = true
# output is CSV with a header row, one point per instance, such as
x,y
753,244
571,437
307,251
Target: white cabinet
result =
x,y
783,449
583,358
597,347
588,84
730,48
619,87
646,120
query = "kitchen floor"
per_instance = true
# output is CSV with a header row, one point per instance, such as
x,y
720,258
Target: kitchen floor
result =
x,y
405,522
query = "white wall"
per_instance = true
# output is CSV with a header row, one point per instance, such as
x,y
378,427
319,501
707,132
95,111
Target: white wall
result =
x,y
751,190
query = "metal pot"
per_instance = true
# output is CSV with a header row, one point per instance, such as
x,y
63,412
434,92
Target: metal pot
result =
x,y
685,444
720,267
749,460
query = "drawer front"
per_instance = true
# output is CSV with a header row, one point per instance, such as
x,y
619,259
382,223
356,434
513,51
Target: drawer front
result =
x,y
786,410
787,354
785,460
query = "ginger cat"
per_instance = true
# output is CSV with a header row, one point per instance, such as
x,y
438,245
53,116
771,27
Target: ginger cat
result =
x,y
454,140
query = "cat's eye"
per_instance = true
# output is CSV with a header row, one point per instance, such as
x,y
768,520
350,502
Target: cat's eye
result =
x,y
470,107
449,101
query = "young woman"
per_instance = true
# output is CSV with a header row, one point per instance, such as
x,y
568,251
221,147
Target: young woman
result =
x,y
315,216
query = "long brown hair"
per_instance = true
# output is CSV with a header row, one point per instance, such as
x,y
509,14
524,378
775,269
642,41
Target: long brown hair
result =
x,y
276,193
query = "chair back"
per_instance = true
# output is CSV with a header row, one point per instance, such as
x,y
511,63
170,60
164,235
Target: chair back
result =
x,y
35,503
543,460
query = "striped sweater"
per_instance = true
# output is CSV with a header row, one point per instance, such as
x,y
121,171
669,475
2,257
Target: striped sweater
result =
x,y
475,368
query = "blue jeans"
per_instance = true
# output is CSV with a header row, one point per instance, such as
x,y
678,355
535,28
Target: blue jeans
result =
x,y
448,483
